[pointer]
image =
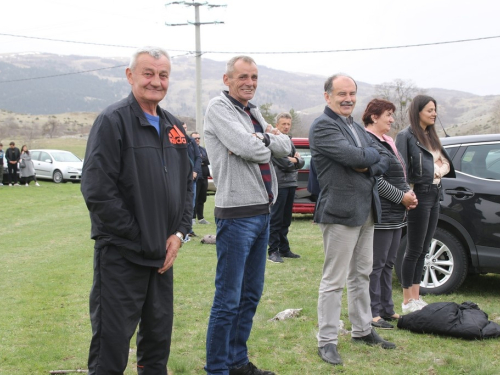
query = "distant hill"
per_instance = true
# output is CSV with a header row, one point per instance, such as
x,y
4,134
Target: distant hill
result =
x,y
102,85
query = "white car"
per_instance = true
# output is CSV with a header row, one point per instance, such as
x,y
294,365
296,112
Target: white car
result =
x,y
57,165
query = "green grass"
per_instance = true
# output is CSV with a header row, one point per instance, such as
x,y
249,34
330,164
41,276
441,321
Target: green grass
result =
x,y
46,258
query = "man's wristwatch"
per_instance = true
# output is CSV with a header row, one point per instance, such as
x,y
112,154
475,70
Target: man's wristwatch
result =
x,y
181,237
260,136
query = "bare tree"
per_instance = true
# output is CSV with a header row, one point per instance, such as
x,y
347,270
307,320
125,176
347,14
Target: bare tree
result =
x,y
401,93
11,127
51,127
29,133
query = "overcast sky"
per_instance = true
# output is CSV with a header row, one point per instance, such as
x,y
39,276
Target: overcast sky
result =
x,y
282,25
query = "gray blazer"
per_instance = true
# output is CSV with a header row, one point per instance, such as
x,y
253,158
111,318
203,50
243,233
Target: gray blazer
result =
x,y
346,195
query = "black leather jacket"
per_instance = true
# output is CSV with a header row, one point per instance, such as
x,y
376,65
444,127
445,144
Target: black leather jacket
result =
x,y
419,161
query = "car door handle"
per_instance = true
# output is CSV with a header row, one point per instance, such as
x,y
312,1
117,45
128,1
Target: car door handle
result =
x,y
459,193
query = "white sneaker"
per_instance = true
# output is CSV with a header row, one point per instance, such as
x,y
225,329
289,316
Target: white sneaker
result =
x,y
17,184
194,222
1,184
37,184
421,302
203,221
410,307
27,184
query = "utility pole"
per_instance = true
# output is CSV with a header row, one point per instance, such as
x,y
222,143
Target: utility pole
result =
x,y
197,24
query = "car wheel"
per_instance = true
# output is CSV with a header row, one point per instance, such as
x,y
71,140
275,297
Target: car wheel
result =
x,y
57,177
445,266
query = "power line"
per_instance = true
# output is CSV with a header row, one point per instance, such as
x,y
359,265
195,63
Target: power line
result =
x,y
271,53
77,42
63,74
78,72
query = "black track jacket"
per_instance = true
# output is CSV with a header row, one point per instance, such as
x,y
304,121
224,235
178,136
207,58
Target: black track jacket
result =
x,y
137,185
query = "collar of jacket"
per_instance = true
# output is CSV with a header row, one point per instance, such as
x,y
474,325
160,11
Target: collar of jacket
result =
x,y
142,117
236,102
328,111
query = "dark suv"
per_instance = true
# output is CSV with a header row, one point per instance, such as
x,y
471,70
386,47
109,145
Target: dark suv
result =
x,y
467,239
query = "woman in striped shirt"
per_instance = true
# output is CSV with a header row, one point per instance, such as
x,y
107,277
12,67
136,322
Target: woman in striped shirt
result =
x,y
395,198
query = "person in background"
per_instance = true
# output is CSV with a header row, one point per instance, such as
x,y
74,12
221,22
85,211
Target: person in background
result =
x,y
286,169
13,155
27,172
195,159
427,162
240,145
1,164
201,183
137,184
395,198
347,160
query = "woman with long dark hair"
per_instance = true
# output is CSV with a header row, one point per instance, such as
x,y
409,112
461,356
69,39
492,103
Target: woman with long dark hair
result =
x,y
395,198
426,163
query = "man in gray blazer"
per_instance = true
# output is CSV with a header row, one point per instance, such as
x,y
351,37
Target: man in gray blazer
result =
x,y
347,161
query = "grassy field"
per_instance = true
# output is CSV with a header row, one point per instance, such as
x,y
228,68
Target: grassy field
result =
x,y
46,258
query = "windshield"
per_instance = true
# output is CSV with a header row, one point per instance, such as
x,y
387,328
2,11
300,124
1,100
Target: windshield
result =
x,y
64,156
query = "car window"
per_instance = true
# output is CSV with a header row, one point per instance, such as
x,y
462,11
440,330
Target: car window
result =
x,y
482,161
35,155
452,150
45,157
64,156
305,153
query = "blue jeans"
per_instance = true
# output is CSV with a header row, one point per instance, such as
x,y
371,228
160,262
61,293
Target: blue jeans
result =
x,y
239,280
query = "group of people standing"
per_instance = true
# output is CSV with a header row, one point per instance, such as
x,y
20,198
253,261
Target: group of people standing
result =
x,y
138,184
17,158
370,188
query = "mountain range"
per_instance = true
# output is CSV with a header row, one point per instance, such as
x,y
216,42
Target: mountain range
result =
x,y
40,83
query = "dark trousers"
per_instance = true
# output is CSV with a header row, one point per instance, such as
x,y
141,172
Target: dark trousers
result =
x,y
12,168
385,249
281,218
124,295
201,198
422,223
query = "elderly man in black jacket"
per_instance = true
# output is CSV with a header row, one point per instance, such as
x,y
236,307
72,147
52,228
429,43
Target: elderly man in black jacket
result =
x,y
137,184
347,161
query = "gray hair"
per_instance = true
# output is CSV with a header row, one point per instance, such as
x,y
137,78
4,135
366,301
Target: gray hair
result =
x,y
231,62
155,52
329,82
283,115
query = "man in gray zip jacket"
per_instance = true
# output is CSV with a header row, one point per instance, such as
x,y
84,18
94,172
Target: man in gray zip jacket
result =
x,y
240,145
347,160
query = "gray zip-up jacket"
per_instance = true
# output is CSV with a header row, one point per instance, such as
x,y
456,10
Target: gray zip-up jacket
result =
x,y
235,154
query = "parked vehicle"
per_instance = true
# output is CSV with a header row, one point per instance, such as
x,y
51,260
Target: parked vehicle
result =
x,y
57,165
467,239
302,203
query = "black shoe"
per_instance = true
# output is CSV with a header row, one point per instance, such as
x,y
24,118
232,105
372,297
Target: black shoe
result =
x,y
289,254
275,257
329,354
192,234
382,324
391,318
249,369
374,339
